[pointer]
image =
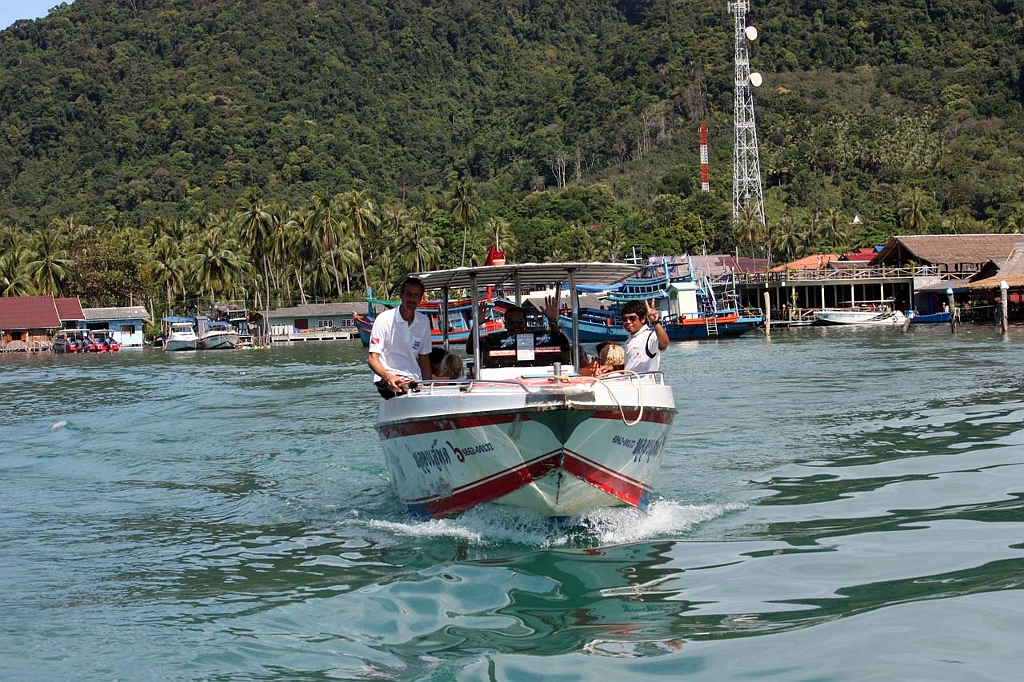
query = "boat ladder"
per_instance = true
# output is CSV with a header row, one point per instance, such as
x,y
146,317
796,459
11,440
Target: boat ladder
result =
x,y
710,318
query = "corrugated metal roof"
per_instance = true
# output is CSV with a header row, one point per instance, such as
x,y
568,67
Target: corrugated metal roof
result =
x,y
313,309
29,312
132,312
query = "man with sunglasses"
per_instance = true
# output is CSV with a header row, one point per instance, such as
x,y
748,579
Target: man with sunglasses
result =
x,y
644,346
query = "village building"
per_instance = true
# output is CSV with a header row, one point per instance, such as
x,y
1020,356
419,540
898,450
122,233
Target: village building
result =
x,y
910,272
309,322
126,324
27,323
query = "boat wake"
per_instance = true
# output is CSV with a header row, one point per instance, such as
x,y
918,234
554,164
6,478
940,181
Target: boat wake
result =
x,y
489,525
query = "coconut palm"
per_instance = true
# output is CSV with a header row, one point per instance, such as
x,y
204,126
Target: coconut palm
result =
x,y
14,273
503,236
327,224
216,262
462,203
360,216
255,224
836,230
49,266
911,212
167,267
748,227
787,238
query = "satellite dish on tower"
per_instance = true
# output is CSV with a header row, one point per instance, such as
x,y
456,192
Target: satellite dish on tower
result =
x,y
755,79
750,32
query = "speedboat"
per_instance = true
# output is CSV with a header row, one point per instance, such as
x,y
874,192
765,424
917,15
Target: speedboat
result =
x,y
215,334
526,429
71,341
181,336
860,315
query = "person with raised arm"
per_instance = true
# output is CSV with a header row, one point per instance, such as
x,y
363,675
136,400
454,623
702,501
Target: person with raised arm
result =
x,y
647,336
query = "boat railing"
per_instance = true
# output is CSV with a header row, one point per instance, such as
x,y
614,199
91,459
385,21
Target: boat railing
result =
x,y
431,386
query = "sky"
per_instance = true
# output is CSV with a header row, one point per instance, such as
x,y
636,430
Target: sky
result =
x,y
12,10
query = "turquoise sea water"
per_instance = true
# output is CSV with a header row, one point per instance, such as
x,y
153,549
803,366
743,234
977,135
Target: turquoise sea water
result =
x,y
836,504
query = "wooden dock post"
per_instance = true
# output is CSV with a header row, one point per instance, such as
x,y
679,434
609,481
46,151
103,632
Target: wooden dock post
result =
x,y
767,314
1004,320
952,309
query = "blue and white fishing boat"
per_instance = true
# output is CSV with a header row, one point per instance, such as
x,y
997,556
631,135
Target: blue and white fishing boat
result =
x,y
693,307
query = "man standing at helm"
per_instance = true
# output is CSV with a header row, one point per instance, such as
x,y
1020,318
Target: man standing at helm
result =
x,y
399,353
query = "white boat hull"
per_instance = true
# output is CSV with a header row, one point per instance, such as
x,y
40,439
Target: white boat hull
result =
x,y
859,317
218,340
179,344
557,448
182,336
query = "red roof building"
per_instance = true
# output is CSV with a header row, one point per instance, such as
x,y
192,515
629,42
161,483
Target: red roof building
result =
x,y
69,309
22,313
26,322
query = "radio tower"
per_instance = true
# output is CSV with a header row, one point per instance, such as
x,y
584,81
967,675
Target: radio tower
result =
x,y
746,169
705,176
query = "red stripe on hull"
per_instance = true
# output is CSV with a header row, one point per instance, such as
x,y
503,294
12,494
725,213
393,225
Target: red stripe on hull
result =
x,y
433,425
650,415
622,487
479,493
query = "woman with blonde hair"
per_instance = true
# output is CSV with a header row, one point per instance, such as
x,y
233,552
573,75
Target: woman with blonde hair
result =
x,y
450,367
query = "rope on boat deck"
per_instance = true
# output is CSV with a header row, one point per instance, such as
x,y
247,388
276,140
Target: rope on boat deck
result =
x,y
622,412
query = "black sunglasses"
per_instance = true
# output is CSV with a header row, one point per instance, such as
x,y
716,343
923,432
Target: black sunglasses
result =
x,y
630,318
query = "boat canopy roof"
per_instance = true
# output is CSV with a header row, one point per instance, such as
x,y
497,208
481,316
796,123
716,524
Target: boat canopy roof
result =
x,y
533,275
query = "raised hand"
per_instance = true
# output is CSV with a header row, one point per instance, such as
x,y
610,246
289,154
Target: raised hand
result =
x,y
652,312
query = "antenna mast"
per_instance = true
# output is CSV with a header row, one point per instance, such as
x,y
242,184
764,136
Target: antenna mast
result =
x,y
746,168
705,179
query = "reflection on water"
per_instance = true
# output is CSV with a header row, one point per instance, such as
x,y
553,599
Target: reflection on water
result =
x,y
227,515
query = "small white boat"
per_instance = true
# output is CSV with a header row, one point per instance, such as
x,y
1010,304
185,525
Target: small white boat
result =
x,y
181,336
534,433
215,334
860,315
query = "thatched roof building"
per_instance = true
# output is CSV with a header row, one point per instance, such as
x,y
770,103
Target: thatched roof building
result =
x,y
1009,270
954,254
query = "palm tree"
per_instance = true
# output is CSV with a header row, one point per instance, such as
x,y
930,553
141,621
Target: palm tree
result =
x,y
836,229
254,229
167,267
504,237
397,222
216,262
613,242
462,204
49,266
911,212
810,235
360,215
303,246
327,224
787,238
748,227
14,273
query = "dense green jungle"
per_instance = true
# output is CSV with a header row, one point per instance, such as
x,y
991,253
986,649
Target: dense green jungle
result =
x,y
282,151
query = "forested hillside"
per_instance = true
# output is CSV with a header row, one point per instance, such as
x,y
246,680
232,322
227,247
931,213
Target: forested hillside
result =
x,y
569,128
